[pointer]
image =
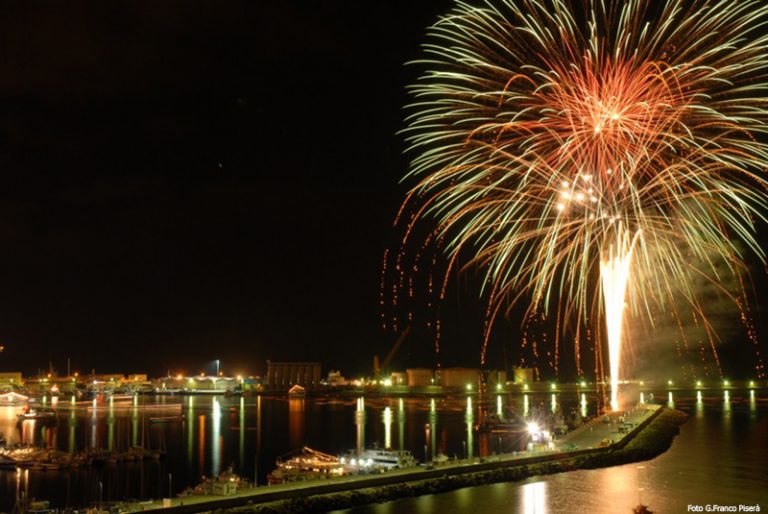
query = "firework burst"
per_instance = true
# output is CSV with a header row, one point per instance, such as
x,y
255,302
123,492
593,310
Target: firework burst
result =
x,y
549,135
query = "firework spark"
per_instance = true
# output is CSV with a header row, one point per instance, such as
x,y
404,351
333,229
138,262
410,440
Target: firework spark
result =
x,y
546,131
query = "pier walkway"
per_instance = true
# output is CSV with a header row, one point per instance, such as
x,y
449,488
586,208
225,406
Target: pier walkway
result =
x,y
588,438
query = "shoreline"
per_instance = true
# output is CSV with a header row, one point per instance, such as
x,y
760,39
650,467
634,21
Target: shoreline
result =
x,y
649,438
649,442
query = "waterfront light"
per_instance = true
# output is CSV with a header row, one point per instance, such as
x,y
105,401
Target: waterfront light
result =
x,y
669,382
751,383
525,387
698,383
469,387
553,386
498,387
583,384
726,383
533,428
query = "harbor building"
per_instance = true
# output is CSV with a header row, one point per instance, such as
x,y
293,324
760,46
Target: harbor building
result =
x,y
458,377
11,378
523,375
419,377
283,375
399,378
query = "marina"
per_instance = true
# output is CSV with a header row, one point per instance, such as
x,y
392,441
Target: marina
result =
x,y
249,433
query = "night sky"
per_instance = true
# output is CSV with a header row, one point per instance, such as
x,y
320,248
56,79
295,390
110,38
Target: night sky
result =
x,y
187,181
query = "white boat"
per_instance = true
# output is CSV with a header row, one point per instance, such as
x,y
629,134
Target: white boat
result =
x,y
13,398
377,459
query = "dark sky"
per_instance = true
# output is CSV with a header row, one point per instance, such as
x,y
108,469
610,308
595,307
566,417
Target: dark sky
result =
x,y
186,181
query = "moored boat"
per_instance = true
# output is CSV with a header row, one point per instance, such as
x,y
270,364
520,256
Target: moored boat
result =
x,y
377,459
307,464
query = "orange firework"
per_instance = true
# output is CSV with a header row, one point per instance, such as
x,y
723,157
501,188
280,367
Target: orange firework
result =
x,y
544,133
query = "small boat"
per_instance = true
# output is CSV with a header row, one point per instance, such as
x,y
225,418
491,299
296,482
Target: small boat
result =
x,y
297,392
307,464
226,484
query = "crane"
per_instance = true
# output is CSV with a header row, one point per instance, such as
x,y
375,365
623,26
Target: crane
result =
x,y
400,340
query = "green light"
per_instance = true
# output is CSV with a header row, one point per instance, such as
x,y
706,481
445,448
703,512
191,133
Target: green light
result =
x,y
669,382
553,386
751,383
498,387
726,383
469,387
698,383
525,387
583,384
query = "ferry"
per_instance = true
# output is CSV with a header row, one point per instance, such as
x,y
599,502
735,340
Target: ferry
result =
x,y
377,459
307,464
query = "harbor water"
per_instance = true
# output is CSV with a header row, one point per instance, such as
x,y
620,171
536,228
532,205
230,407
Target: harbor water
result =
x,y
248,434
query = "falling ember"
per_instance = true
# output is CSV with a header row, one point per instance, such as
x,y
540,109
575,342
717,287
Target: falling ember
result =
x,y
614,277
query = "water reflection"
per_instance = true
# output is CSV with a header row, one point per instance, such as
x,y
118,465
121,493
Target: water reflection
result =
x,y
360,423
387,419
72,427
670,400
401,423
499,410
241,433
553,403
433,427
534,498
111,427
190,427
296,422
208,441
469,418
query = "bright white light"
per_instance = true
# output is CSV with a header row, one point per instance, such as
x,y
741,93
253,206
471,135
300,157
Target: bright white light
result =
x,y
533,428
614,274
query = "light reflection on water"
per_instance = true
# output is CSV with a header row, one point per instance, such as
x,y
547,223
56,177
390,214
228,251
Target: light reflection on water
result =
x,y
220,432
718,458
534,498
